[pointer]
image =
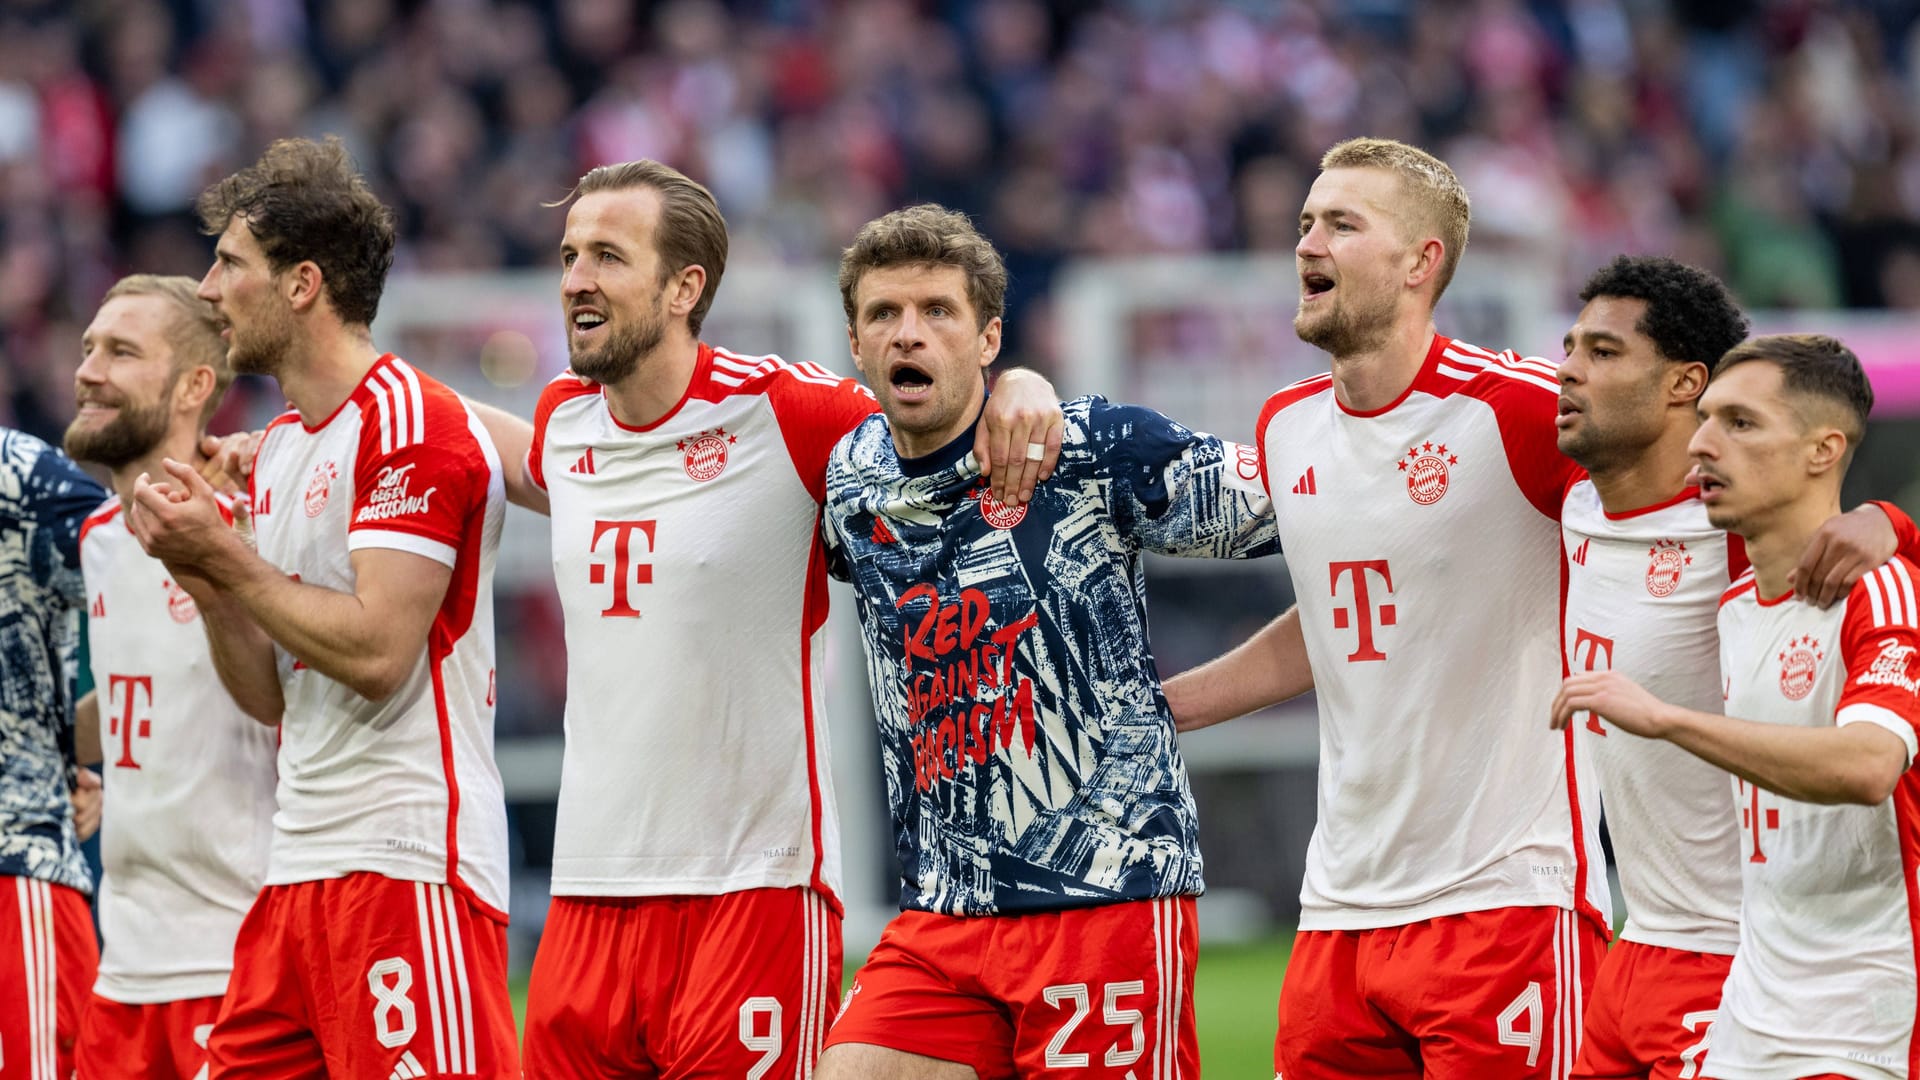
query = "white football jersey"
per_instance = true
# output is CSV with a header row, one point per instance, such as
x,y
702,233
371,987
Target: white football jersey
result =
x,y
189,778
1643,594
1423,542
405,787
1824,978
690,572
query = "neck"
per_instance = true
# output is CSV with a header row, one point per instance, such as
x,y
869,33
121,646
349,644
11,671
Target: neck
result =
x,y
1374,378
1774,546
182,444
911,444
324,371
658,382
1654,475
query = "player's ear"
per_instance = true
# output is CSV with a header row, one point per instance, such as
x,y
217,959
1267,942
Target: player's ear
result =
x,y
989,342
1686,382
303,284
193,388
689,283
1828,450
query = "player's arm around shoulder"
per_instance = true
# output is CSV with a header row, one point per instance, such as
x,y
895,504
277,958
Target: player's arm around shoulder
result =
x,y
514,439
1178,491
1859,759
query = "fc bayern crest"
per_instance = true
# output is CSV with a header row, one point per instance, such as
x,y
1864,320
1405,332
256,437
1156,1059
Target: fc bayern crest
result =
x,y
179,604
1428,469
999,514
324,474
705,455
1669,559
1799,666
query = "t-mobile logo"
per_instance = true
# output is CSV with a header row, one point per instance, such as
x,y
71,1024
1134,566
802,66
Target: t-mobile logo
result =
x,y
1596,653
122,691
1364,614
626,572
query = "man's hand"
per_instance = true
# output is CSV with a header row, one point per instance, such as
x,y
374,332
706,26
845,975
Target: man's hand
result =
x,y
1614,698
86,797
229,460
177,520
1018,441
1841,553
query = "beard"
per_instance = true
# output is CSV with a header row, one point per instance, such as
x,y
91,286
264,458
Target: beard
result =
x,y
619,355
126,438
1604,445
1343,329
262,350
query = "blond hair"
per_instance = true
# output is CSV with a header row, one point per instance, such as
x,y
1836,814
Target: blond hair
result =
x,y
690,232
1440,202
193,333
927,235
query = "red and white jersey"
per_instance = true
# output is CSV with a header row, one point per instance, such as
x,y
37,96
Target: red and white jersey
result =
x,y
1643,593
1824,979
1423,540
405,787
694,588
190,778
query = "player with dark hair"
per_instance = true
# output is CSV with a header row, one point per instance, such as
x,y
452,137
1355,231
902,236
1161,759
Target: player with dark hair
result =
x,y
48,953
185,843
1047,836
1645,571
1821,711
363,628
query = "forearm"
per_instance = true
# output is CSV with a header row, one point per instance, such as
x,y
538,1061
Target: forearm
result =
x,y
330,632
512,437
242,657
86,729
1858,763
1266,669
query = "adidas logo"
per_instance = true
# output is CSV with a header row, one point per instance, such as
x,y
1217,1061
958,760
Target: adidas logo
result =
x,y
1305,485
882,534
264,505
408,1067
585,465
99,608
1580,553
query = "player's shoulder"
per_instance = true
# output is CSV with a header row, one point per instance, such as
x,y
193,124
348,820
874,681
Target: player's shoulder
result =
x,y
1286,397
1501,378
105,513
729,372
560,390
402,406
1745,586
1884,597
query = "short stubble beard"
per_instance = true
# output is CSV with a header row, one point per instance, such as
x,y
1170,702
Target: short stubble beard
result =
x,y
125,439
614,359
1344,332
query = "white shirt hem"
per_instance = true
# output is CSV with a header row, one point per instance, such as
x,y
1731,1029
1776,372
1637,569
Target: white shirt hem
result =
x,y
160,989
1718,942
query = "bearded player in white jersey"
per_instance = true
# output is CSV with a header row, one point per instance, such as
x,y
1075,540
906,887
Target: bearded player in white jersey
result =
x,y
184,845
695,922
1646,568
1821,709
363,628
1453,909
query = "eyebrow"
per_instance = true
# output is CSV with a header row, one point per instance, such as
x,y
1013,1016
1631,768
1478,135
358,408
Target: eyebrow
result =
x,y
1594,335
1334,212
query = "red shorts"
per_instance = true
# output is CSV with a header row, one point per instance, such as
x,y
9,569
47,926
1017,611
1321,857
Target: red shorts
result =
x,y
48,957
366,976
738,984
1461,997
1649,1013
162,1041
1092,992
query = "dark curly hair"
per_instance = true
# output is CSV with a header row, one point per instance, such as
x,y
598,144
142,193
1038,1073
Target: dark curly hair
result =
x,y
305,201
1690,316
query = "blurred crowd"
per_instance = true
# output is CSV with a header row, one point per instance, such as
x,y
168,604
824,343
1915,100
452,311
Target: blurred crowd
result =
x,y
1776,141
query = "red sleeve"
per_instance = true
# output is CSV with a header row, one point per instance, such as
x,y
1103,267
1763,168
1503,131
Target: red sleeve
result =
x,y
814,408
1904,530
1737,562
1880,644
565,387
1267,413
420,472
1526,402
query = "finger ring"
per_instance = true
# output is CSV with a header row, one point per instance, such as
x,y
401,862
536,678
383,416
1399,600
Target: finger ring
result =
x,y
1036,451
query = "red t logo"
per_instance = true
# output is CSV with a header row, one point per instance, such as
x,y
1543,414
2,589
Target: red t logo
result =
x,y
121,688
623,564
1599,657
1363,607
1755,819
